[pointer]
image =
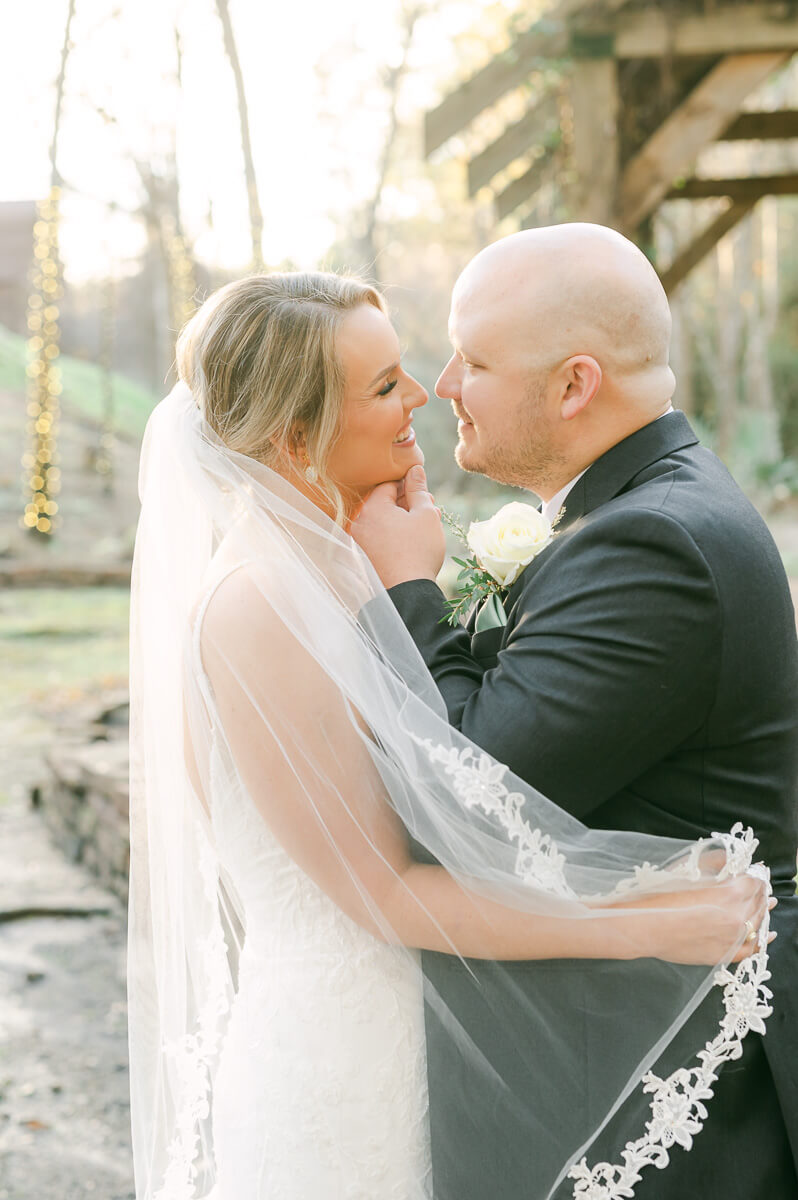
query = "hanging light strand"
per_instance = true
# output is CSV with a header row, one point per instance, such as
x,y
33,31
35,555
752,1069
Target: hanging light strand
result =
x,y
42,477
104,459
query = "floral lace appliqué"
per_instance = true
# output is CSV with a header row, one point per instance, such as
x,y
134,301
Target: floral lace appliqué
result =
x,y
678,1111
477,779
193,1055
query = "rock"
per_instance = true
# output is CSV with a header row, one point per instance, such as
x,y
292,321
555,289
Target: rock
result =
x,y
21,573
85,803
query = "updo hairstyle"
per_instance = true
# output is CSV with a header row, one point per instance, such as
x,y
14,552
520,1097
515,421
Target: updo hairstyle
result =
x,y
260,359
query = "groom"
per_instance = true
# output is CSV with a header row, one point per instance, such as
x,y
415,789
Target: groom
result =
x,y
646,677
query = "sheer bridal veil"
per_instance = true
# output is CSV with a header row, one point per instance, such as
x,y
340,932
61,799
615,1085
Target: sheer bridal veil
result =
x,y
354,735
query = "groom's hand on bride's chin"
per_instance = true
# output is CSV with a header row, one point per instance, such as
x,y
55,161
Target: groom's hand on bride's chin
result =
x,y
400,530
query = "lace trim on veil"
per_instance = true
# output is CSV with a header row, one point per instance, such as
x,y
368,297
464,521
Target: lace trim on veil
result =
x,y
678,1111
193,1055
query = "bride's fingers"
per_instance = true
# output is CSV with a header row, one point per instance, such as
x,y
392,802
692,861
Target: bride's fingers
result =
x,y
766,904
757,913
749,948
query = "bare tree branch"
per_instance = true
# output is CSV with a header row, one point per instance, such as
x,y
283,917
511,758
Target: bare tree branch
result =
x,y
55,178
393,78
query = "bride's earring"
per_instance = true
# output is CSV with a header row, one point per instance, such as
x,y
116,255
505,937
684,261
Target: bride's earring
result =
x,y
311,474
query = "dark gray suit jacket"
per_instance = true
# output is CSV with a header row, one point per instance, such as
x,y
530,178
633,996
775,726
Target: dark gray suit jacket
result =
x,y
646,679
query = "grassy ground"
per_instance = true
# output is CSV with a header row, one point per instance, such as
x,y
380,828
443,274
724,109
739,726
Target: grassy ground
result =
x,y
95,524
59,648
83,387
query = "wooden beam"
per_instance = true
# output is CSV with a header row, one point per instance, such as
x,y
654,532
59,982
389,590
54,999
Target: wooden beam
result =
x,y
594,100
539,125
726,29
502,73
521,189
739,190
706,241
762,126
698,120
547,39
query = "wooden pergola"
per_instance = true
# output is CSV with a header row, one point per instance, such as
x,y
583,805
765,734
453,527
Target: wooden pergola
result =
x,y
621,98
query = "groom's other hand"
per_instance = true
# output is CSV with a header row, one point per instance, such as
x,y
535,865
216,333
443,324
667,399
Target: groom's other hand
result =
x,y
400,530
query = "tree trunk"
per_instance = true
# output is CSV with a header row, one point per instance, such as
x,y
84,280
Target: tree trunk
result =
x,y
255,214
393,83
681,354
762,312
729,325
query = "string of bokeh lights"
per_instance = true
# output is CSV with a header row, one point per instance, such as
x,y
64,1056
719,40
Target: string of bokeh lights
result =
x,y
42,476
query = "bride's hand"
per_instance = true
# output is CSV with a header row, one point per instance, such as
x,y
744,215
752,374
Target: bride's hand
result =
x,y
699,925
402,535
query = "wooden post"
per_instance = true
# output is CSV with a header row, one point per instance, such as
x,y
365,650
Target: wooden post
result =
x,y
594,99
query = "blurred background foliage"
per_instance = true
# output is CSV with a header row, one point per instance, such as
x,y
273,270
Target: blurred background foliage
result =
x,y
386,212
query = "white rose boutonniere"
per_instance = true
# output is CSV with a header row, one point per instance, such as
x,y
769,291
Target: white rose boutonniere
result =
x,y
502,546
508,542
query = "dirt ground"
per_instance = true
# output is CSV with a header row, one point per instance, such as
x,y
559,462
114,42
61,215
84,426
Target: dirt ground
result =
x,y
64,1121
64,1118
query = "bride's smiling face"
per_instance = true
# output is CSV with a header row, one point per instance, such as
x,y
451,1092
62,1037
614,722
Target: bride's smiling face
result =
x,y
377,441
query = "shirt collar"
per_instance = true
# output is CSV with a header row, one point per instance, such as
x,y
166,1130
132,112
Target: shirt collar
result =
x,y
550,508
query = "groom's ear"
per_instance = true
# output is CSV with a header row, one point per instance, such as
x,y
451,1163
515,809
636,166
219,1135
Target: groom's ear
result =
x,y
581,379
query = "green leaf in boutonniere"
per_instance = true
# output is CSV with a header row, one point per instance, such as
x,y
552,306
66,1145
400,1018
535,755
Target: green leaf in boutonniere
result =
x,y
474,584
501,547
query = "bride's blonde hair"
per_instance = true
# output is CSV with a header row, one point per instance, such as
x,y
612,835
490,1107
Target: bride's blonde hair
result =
x,y
260,358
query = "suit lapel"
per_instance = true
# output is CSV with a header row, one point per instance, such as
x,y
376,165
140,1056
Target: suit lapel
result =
x,y
609,476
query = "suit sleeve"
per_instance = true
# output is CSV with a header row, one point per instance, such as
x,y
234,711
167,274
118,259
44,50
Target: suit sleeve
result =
x,y
610,661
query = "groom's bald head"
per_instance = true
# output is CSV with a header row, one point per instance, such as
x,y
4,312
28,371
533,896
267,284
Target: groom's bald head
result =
x,y
579,312
572,289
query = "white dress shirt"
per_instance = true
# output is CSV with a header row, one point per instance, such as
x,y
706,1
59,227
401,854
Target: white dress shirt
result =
x,y
550,508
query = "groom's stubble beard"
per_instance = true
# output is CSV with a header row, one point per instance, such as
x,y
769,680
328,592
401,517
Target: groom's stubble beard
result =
x,y
523,455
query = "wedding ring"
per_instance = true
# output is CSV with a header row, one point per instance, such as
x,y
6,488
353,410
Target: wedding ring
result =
x,y
750,932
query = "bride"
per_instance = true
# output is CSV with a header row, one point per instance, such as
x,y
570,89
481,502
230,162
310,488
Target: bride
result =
x,y
290,757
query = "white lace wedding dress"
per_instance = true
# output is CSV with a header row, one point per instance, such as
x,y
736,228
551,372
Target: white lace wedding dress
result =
x,y
321,1090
